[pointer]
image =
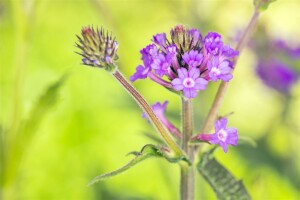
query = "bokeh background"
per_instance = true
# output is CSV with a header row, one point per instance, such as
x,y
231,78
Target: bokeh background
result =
x,y
62,123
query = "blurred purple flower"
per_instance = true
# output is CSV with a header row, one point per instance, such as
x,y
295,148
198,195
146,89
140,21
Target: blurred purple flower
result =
x,y
277,75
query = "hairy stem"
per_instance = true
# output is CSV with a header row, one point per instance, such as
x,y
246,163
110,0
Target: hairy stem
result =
x,y
213,112
148,110
187,182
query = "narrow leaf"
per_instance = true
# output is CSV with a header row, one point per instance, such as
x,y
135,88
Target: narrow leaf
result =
x,y
147,151
247,140
224,184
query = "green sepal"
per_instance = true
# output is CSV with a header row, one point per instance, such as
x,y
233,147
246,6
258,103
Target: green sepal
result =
x,y
148,151
262,5
224,184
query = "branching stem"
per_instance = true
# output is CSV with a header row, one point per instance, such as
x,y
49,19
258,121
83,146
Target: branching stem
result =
x,y
148,110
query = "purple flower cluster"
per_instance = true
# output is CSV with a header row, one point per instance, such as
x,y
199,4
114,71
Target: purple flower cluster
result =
x,y
222,136
187,62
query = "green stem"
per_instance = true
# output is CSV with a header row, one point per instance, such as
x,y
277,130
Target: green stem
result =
x,y
148,110
213,112
187,182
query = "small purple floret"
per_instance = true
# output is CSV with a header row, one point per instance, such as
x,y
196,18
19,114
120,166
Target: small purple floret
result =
x,y
141,73
196,36
148,54
160,39
158,109
229,52
219,69
193,58
213,43
161,64
224,136
189,82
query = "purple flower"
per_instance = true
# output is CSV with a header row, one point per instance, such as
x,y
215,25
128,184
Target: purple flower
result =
x,y
182,62
213,43
159,110
189,82
149,53
196,36
229,52
224,136
219,69
141,73
192,58
161,64
277,75
160,39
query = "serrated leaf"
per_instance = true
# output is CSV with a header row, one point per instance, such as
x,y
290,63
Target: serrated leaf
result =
x,y
224,184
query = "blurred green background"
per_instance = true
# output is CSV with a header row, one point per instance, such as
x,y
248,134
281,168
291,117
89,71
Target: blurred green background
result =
x,y
61,137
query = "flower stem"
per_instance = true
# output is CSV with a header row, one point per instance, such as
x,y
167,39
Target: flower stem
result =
x,y
213,112
187,182
148,110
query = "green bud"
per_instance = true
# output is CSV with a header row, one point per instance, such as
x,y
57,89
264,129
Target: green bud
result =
x,y
262,5
98,48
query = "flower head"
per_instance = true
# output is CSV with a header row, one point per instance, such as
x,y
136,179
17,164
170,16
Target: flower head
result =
x,y
186,62
98,48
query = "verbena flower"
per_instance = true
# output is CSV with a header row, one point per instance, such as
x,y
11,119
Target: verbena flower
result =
x,y
159,109
182,63
277,62
277,75
223,136
98,48
189,82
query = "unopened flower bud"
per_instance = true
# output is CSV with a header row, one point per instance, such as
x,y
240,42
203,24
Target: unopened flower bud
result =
x,y
98,48
185,38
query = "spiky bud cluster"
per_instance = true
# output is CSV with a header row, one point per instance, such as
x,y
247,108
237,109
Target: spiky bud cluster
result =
x,y
186,39
98,48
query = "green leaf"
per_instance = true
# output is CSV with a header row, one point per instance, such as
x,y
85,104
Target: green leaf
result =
x,y
247,140
224,184
262,5
45,102
18,143
147,151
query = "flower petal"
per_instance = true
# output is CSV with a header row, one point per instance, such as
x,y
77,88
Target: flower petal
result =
x,y
177,84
